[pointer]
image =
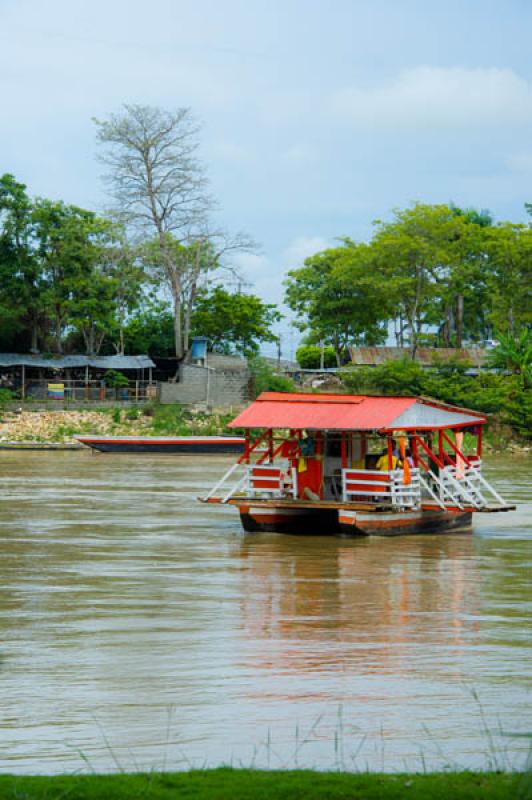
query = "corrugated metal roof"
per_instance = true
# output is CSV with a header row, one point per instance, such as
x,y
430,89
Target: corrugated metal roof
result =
x,y
349,412
426,356
68,362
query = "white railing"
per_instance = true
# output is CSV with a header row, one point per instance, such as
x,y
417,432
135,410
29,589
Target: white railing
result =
x,y
271,481
461,486
385,487
257,480
462,489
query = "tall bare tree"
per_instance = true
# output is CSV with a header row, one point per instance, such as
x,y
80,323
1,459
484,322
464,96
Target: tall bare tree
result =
x,y
158,184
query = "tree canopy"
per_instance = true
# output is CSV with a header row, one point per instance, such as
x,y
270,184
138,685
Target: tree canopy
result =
x,y
435,274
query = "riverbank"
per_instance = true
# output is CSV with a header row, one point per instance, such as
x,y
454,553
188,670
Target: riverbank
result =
x,y
57,429
248,784
60,427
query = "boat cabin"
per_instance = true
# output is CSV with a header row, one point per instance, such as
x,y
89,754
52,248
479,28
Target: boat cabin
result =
x,y
359,464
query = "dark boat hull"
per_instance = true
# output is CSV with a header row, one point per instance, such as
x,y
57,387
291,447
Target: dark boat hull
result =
x,y
323,522
183,445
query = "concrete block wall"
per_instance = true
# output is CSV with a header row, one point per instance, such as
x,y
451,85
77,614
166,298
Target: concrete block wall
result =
x,y
226,387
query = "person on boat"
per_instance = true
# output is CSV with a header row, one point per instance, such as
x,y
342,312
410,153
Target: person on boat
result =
x,y
383,462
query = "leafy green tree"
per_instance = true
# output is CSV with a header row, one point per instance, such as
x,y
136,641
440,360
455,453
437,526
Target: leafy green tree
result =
x,y
514,353
339,298
123,265
415,254
266,379
509,253
72,247
308,356
461,308
22,285
233,322
150,329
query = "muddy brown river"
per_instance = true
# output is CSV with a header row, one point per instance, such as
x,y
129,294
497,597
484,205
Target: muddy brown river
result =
x,y
142,630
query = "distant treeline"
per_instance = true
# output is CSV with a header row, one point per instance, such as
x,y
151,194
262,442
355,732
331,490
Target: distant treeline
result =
x,y
72,281
436,274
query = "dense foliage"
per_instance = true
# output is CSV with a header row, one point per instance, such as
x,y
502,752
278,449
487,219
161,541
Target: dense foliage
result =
x,y
309,356
71,282
489,392
266,379
436,274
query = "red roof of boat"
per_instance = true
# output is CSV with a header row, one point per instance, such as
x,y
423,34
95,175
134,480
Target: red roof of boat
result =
x,y
350,412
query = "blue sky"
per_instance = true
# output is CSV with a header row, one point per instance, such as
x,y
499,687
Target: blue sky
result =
x,y
317,117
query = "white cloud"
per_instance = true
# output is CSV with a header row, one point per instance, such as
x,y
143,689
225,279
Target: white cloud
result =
x,y
435,97
264,275
301,248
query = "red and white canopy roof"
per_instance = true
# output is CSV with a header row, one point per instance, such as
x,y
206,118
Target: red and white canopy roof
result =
x,y
352,413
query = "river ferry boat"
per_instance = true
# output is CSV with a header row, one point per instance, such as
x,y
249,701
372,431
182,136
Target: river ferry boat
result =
x,y
181,445
357,464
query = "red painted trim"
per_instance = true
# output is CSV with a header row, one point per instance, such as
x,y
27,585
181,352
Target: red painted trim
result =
x,y
429,452
352,475
245,456
265,471
353,488
344,450
169,441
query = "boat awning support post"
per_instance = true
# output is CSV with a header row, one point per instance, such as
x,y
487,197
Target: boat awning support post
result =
x,y
23,390
344,450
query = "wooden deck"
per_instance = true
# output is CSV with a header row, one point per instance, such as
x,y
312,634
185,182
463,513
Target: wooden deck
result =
x,y
282,502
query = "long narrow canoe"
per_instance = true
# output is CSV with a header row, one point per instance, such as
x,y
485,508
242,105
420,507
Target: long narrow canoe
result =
x,y
186,445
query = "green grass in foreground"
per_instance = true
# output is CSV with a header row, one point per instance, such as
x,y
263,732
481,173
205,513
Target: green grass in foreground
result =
x,y
248,784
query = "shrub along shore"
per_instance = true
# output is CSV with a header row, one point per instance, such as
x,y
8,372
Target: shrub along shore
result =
x,y
249,784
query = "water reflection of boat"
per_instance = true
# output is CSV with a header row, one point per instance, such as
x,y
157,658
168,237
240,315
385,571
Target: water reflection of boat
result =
x,y
363,604
358,465
185,445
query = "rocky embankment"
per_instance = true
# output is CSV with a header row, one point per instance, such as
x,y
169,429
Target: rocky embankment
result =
x,y
62,426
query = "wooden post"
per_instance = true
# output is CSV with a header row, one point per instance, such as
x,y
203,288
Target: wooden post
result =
x,y
136,391
479,441
149,374
413,447
390,453
23,391
440,447
344,451
270,445
86,390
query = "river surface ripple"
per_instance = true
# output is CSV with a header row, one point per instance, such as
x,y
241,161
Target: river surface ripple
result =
x,y
140,629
